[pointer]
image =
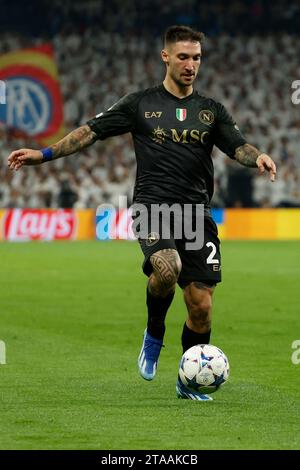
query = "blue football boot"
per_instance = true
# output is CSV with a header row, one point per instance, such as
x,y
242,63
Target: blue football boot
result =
x,y
148,358
188,394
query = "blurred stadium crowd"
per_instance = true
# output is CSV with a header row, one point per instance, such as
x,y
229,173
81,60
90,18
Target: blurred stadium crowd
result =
x,y
249,72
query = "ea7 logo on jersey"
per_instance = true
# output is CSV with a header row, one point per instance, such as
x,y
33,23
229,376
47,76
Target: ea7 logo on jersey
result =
x,y
153,114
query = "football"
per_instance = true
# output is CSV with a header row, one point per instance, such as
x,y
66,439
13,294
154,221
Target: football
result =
x,y
204,368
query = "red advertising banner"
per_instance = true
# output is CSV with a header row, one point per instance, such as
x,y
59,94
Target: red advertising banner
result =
x,y
39,224
86,224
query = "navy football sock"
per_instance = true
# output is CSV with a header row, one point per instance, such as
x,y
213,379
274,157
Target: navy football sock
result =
x,y
190,338
157,311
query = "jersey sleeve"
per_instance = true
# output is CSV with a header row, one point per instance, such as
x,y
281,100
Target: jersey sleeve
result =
x,y
117,120
228,136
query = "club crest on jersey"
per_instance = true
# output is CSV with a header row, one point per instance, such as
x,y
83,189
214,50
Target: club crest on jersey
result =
x,y
206,116
181,114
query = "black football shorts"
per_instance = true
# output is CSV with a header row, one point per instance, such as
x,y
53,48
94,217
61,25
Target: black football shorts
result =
x,y
201,265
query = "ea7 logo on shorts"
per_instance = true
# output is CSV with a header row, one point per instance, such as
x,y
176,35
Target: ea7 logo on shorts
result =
x,y
216,267
153,114
206,116
152,238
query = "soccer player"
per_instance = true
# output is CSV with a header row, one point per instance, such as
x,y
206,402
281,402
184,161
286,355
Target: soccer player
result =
x,y
174,129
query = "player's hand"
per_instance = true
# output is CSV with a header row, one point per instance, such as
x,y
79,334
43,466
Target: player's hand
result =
x,y
21,157
264,162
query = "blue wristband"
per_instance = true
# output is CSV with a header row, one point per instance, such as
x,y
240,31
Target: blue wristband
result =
x,y
47,154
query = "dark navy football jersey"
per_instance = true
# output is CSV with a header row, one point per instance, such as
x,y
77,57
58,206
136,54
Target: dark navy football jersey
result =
x,y
173,139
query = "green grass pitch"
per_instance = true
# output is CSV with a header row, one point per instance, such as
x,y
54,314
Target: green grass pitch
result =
x,y
72,317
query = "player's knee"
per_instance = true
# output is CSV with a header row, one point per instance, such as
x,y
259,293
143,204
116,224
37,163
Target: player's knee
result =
x,y
166,266
200,310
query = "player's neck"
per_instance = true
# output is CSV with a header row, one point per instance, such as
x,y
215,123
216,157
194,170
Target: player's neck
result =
x,y
176,90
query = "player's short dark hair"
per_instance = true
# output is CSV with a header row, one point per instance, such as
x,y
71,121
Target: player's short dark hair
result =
x,y
182,33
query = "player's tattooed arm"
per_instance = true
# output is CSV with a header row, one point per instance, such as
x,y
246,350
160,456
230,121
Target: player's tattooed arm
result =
x,y
77,140
250,156
73,142
247,155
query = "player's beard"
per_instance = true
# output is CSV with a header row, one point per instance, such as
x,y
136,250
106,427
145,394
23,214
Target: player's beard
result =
x,y
180,81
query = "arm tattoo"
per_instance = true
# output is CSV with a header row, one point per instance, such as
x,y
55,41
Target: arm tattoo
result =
x,y
76,140
166,266
247,155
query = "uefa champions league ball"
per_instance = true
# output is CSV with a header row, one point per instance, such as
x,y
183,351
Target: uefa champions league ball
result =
x,y
204,368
